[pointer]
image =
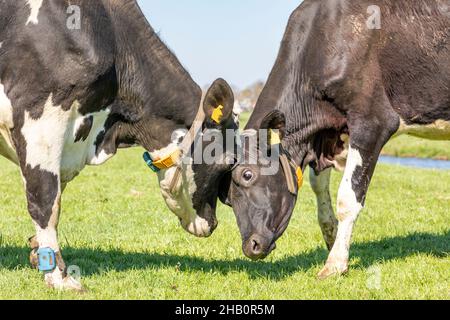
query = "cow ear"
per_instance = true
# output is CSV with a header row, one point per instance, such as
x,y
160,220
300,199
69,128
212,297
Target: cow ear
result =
x,y
275,124
218,104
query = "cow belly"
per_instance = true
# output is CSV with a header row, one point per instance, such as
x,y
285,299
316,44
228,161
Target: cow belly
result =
x,y
6,123
80,149
6,114
6,146
439,130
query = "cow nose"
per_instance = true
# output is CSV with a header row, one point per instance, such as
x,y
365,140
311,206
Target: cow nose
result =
x,y
256,248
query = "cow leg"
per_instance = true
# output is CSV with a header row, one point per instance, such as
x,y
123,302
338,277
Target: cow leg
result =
x,y
34,244
367,138
327,220
44,204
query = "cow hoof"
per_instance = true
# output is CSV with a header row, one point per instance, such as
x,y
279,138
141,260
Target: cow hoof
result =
x,y
68,284
72,284
333,270
55,281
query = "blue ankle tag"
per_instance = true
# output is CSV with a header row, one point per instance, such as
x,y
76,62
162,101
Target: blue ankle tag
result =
x,y
47,259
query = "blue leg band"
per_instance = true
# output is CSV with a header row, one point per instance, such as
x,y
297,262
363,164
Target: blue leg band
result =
x,y
47,259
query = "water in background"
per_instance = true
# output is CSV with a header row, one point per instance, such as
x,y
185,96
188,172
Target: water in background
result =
x,y
417,163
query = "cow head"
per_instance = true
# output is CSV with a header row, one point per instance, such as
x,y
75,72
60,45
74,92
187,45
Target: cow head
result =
x,y
190,186
263,199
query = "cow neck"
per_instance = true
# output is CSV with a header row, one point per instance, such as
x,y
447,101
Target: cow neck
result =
x,y
152,82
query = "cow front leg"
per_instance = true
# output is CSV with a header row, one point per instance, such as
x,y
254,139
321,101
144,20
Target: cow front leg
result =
x,y
349,204
365,147
327,220
43,191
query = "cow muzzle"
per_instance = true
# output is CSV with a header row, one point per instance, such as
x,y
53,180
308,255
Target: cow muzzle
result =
x,y
258,247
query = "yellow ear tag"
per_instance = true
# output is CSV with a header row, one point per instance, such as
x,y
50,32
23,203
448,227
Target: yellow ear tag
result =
x,y
299,177
217,114
274,138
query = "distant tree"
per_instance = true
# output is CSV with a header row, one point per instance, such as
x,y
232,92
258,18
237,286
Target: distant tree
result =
x,y
249,96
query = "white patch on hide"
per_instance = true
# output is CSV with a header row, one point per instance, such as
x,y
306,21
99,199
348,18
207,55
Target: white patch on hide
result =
x,y
6,124
50,140
78,154
99,159
35,6
45,137
6,112
47,238
177,137
348,209
348,204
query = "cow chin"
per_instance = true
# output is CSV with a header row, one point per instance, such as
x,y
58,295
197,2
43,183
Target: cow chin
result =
x,y
180,203
189,220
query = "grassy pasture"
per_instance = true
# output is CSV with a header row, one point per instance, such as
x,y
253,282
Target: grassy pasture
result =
x,y
116,228
407,146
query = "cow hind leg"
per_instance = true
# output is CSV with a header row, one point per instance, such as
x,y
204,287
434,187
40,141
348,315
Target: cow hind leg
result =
x,y
327,220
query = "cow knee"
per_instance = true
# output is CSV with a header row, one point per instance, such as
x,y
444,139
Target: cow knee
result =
x,y
348,206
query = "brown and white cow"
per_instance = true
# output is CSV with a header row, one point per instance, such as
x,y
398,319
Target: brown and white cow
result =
x,y
350,75
73,92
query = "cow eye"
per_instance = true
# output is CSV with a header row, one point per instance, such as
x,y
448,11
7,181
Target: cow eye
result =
x,y
247,175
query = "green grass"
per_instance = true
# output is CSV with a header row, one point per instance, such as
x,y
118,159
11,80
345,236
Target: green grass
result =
x,y
407,146
403,146
243,119
116,228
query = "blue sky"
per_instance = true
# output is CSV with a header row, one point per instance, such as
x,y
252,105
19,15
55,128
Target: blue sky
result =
x,y
234,39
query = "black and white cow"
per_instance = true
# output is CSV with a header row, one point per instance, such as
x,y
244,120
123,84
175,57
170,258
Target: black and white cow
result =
x,y
71,94
350,75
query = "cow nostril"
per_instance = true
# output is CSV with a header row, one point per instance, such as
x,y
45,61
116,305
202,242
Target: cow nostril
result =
x,y
256,247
